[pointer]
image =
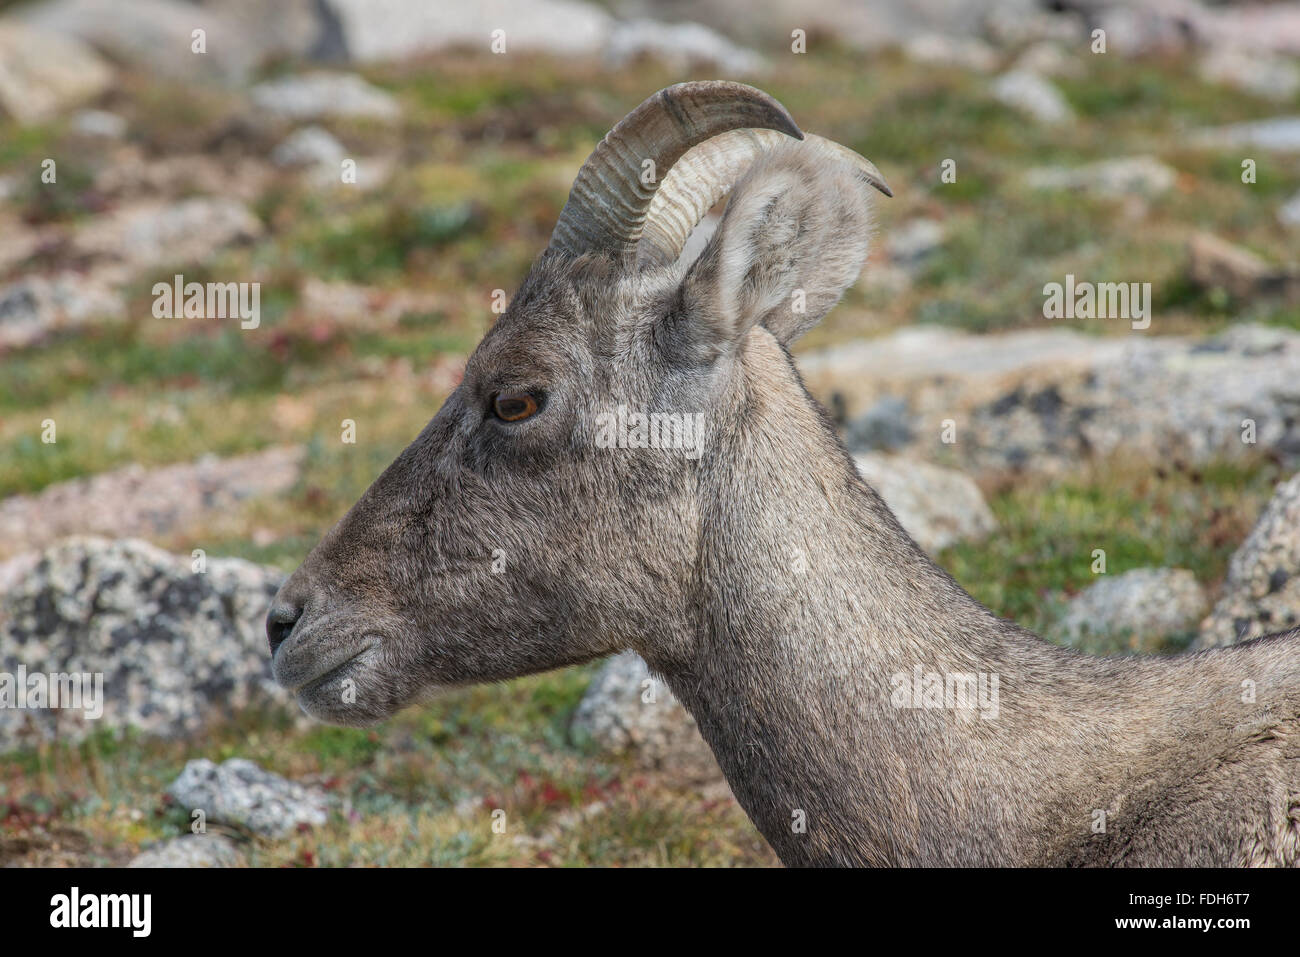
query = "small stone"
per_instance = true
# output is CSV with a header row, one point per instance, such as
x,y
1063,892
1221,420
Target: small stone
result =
x,y
192,850
316,96
1033,95
913,241
99,123
1134,175
240,793
309,146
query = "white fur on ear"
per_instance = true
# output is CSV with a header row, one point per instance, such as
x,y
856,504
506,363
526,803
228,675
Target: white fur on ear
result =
x,y
794,236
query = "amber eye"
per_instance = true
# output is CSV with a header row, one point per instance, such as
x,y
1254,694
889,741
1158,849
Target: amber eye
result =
x,y
514,406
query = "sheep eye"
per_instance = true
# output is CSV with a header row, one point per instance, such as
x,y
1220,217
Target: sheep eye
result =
x,y
514,406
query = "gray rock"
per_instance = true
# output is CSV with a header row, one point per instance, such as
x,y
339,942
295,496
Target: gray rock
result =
x,y
938,49
315,96
135,500
173,647
1048,59
1288,214
99,123
44,73
411,27
154,233
1140,175
309,146
1271,77
1032,95
627,711
1262,592
937,506
1042,400
886,425
153,35
910,243
239,793
1281,133
1145,604
192,850
33,307
295,29
680,46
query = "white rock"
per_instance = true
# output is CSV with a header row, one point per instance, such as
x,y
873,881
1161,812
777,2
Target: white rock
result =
x,y
99,123
154,233
156,35
192,850
1139,175
1271,77
938,49
1280,133
309,146
396,29
239,792
315,96
1033,95
1288,213
680,46
43,73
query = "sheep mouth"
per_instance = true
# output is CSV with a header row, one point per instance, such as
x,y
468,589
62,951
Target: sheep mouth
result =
x,y
331,672
299,671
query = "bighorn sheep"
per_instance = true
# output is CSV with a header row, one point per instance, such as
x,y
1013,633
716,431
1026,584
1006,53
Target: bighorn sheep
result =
x,y
814,642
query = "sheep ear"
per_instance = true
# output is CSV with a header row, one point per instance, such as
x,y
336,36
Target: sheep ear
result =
x,y
794,236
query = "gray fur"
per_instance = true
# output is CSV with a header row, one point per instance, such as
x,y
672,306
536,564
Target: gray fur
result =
x,y
769,585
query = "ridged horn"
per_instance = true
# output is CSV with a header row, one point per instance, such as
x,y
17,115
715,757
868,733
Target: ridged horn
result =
x,y
608,202
708,172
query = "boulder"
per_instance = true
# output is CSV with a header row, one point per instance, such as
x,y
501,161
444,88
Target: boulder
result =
x,y
156,233
192,850
34,307
1044,399
1144,606
937,506
241,794
166,647
627,711
156,36
1262,592
42,74
374,30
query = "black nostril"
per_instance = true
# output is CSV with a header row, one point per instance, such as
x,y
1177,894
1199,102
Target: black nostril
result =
x,y
279,624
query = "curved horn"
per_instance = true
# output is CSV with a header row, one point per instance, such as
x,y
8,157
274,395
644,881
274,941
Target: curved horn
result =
x,y
608,202
708,172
